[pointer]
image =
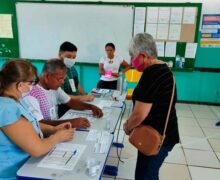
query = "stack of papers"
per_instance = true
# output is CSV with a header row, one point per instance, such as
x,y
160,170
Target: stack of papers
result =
x,y
64,156
101,138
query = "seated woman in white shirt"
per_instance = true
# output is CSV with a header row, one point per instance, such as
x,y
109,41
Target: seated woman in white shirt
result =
x,y
109,68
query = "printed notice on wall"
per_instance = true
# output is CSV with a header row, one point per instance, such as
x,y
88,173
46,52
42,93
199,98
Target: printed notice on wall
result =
x,y
189,15
190,50
6,26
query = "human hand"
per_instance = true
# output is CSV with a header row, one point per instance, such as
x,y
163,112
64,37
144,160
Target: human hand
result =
x,y
97,112
64,135
115,74
80,123
126,129
66,125
88,98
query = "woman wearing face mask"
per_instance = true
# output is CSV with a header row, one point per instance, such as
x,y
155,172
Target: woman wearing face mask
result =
x,y
20,133
109,68
151,99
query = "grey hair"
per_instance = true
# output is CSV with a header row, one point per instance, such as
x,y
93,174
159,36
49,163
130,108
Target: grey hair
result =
x,y
143,42
54,65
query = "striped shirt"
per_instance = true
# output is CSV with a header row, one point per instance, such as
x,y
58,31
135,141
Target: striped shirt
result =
x,y
155,87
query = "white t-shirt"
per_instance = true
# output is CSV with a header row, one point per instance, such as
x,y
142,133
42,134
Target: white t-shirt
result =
x,y
112,65
44,103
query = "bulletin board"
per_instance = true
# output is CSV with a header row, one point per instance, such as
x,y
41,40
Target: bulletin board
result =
x,y
8,40
162,22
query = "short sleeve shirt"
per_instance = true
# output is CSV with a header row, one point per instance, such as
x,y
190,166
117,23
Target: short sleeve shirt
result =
x,y
47,100
111,64
155,87
12,157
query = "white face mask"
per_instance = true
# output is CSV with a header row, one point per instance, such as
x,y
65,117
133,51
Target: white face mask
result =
x,y
69,62
27,92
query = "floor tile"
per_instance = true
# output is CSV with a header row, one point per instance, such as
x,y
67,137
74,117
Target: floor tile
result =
x,y
126,170
212,133
129,151
201,114
106,178
113,152
201,158
204,122
215,143
218,155
184,113
200,173
184,121
216,111
181,106
195,143
176,156
197,107
191,131
172,171
120,137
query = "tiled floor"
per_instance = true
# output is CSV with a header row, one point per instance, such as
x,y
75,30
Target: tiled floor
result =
x,y
196,158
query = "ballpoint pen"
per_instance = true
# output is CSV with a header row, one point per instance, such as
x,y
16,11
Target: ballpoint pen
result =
x,y
73,154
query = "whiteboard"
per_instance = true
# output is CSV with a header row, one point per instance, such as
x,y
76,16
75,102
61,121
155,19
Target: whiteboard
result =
x,y
42,27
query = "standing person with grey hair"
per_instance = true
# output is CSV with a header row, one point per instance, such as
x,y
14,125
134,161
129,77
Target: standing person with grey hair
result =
x,y
151,99
44,98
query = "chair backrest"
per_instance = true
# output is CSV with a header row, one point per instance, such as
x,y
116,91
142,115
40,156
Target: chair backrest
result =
x,y
132,75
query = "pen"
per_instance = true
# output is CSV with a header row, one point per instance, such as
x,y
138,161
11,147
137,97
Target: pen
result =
x,y
74,153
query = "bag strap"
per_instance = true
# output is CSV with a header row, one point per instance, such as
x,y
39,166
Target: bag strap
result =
x,y
171,102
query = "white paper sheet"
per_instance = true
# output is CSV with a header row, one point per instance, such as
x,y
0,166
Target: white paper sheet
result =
x,y
189,15
176,15
6,26
190,50
64,156
138,28
101,139
140,14
164,15
162,31
152,14
170,50
160,49
151,29
174,32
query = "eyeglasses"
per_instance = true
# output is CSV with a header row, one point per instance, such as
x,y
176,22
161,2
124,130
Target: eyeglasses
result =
x,y
33,82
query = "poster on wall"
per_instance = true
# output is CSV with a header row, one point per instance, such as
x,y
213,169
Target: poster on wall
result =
x,y
210,31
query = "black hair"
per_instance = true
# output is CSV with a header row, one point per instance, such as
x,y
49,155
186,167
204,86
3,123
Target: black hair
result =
x,y
53,65
110,44
67,46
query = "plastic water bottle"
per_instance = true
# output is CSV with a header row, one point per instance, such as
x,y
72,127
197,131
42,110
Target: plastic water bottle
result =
x,y
178,61
125,84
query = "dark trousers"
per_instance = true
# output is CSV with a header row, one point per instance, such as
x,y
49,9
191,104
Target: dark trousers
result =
x,y
147,167
107,85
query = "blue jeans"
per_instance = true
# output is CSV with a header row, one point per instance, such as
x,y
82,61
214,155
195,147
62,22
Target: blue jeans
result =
x,y
147,167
